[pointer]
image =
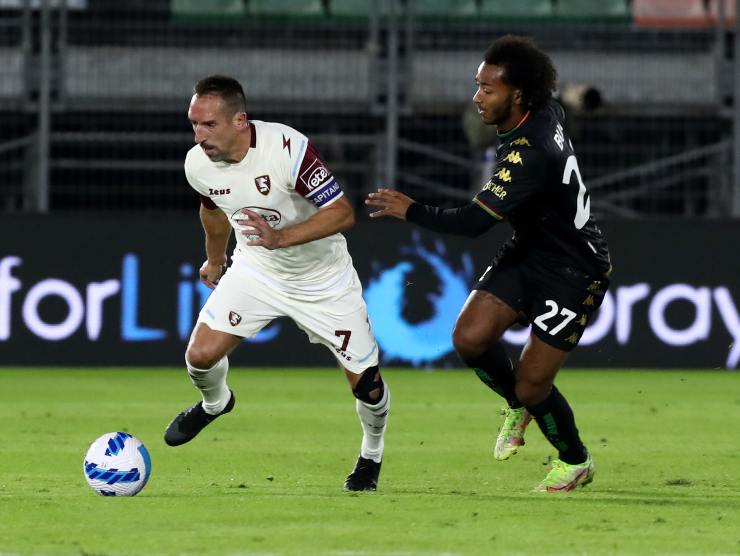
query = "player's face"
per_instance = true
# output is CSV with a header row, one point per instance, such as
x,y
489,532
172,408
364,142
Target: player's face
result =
x,y
215,131
495,99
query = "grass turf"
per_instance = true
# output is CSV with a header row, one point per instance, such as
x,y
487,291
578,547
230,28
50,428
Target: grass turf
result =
x,y
267,479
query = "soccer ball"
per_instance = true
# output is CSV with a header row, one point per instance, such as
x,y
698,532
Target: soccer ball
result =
x,y
117,464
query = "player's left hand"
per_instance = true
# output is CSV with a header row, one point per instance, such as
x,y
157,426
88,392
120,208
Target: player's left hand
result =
x,y
254,225
392,203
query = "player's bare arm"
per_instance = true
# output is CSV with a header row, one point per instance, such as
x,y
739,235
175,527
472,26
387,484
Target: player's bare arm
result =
x,y
217,229
329,220
392,203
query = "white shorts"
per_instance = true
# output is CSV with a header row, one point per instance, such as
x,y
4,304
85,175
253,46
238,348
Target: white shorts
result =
x,y
243,305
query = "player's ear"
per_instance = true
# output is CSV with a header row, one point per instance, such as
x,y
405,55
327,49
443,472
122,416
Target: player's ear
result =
x,y
241,121
518,96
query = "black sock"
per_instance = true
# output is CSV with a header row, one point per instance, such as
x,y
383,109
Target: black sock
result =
x,y
495,370
555,419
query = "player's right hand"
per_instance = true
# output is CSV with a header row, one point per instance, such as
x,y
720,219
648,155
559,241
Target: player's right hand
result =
x,y
393,203
210,273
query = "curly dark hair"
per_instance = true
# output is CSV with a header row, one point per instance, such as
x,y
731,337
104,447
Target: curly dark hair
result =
x,y
228,88
526,67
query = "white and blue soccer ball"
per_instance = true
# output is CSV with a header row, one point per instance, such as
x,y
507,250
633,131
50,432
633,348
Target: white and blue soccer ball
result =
x,y
117,464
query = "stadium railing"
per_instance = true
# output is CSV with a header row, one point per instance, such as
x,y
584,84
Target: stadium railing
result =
x,y
122,81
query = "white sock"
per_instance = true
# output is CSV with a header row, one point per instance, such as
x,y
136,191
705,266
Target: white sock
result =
x,y
373,420
212,385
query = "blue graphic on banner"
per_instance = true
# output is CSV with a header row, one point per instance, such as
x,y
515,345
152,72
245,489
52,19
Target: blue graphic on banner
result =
x,y
428,340
130,328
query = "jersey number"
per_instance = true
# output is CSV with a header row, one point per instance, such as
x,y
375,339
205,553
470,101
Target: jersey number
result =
x,y
346,334
567,313
583,203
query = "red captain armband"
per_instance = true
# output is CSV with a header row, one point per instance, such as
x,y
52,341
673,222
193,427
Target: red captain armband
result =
x,y
207,202
315,182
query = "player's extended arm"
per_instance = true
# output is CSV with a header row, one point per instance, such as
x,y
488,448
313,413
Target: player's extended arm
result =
x,y
328,220
217,230
469,220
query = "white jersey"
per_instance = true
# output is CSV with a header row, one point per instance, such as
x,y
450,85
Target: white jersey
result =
x,y
283,179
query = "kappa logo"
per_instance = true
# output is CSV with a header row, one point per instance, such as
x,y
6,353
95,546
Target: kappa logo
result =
x,y
263,184
234,318
515,158
573,338
504,175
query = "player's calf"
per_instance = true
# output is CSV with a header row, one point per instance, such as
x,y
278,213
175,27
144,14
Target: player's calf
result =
x,y
372,404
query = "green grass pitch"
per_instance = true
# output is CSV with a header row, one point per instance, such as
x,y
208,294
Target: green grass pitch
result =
x,y
267,478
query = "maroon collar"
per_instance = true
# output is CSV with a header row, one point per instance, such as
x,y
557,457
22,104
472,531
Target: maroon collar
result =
x,y
253,133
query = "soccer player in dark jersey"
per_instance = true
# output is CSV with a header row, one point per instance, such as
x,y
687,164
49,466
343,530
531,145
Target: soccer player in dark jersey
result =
x,y
554,271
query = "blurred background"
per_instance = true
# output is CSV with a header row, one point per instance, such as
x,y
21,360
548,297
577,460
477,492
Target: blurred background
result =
x,y
93,103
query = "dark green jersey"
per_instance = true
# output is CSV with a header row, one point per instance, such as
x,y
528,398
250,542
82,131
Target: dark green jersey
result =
x,y
537,186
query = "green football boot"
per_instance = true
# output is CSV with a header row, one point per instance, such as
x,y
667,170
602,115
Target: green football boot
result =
x,y
511,435
564,477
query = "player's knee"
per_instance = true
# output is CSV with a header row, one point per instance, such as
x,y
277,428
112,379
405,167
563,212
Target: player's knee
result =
x,y
369,388
201,357
468,344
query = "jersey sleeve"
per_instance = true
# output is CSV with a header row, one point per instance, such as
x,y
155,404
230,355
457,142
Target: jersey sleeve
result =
x,y
314,181
519,174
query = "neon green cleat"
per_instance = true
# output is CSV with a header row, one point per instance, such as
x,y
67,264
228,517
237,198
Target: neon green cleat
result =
x,y
564,477
511,435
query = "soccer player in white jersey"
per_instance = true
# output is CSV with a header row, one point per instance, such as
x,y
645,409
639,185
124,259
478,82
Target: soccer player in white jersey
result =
x,y
266,182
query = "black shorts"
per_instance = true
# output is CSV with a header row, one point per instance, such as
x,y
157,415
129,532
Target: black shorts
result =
x,y
558,300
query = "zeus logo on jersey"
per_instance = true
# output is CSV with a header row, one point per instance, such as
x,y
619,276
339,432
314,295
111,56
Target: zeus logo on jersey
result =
x,y
214,192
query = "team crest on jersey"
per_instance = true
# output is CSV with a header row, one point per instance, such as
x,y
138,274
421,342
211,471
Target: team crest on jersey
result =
x,y
234,318
263,184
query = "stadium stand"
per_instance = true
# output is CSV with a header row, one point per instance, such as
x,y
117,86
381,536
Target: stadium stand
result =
x,y
729,11
208,8
608,10
522,9
354,8
670,13
293,8
122,78
444,8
